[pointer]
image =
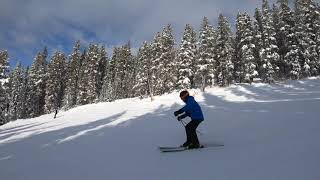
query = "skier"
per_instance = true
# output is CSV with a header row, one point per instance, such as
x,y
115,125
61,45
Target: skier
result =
x,y
193,110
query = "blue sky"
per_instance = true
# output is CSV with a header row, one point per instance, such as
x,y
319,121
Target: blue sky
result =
x,y
27,26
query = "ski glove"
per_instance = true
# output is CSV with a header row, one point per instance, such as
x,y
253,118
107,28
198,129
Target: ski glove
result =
x,y
176,113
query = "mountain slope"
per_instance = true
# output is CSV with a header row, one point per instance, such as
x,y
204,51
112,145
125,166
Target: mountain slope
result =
x,y
269,132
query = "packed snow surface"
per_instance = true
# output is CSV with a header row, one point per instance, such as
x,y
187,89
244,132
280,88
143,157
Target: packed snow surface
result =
x,y
269,132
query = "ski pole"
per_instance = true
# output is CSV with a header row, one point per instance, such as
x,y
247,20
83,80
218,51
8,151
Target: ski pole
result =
x,y
183,123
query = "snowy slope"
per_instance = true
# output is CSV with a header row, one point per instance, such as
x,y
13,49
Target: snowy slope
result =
x,y
269,132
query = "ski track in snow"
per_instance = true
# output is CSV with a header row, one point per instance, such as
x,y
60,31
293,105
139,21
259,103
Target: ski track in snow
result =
x,y
269,132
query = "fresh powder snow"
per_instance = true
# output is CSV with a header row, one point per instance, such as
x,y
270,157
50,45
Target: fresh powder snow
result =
x,y
269,132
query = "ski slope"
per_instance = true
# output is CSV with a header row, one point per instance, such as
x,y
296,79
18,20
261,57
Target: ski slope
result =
x,y
270,132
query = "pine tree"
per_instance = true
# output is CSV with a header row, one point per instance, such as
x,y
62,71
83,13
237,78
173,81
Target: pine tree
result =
x,y
156,51
317,22
37,83
82,97
237,59
280,42
163,62
166,79
102,63
105,95
144,76
288,42
27,93
245,66
307,29
187,59
120,70
130,70
224,53
112,73
4,69
269,53
73,77
258,38
92,72
55,88
16,80
4,65
206,64
3,105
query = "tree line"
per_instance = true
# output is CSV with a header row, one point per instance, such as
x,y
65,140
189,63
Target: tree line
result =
x,y
279,42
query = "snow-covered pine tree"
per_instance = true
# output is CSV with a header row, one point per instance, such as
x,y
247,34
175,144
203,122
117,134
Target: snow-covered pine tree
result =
x,y
258,38
27,93
92,72
73,77
37,83
237,60
82,97
206,64
167,64
318,32
120,71
55,88
105,95
140,88
269,53
16,81
282,49
163,68
156,53
277,26
117,67
224,53
4,65
3,105
187,59
175,70
112,73
245,64
4,70
289,50
306,18
102,63
130,74
144,79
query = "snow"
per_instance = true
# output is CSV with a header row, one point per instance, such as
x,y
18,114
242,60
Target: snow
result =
x,y
269,132
3,81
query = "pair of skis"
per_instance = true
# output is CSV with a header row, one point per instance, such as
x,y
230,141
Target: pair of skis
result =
x,y
177,149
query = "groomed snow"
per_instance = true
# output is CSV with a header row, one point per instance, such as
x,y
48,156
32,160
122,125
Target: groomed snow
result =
x,y
269,132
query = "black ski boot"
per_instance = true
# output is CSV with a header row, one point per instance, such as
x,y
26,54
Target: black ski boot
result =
x,y
186,144
194,146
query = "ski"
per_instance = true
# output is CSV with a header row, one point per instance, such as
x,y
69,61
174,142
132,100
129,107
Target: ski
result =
x,y
177,149
172,149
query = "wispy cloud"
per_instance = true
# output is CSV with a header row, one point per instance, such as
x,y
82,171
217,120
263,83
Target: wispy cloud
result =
x,y
28,26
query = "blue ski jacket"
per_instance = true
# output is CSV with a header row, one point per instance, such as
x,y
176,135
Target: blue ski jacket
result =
x,y
192,109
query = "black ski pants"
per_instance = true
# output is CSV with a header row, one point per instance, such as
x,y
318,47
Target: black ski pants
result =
x,y
192,137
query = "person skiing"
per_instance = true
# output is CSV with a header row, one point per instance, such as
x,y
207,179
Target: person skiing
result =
x,y
193,110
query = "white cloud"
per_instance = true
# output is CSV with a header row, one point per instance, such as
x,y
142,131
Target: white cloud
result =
x,y
35,22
